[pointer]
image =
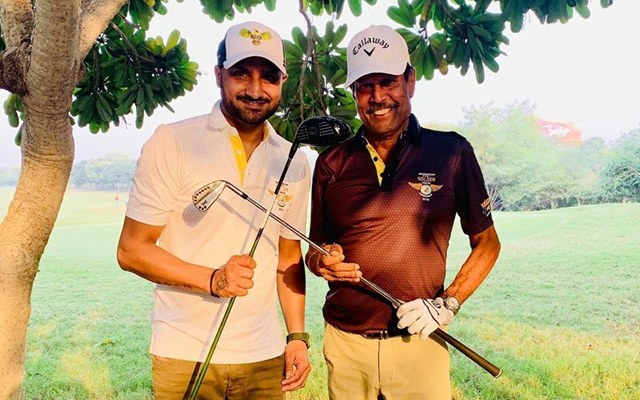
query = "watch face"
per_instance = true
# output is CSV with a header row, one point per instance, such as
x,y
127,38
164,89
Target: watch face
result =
x,y
452,303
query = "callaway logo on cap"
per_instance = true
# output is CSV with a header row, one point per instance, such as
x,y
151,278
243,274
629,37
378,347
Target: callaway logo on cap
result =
x,y
251,39
377,49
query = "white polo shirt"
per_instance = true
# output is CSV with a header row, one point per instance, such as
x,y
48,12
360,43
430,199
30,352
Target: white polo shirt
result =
x,y
177,160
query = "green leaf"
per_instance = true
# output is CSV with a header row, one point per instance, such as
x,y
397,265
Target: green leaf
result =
x,y
18,138
481,32
356,7
583,10
299,38
478,67
174,37
490,62
94,127
340,34
430,63
270,5
417,57
401,15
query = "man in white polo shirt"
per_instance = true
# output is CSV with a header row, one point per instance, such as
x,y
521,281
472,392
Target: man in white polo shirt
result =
x,y
199,260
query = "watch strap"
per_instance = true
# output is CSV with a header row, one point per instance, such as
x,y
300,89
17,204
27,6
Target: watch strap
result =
x,y
304,336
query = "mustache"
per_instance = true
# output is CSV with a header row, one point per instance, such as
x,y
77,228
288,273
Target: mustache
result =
x,y
249,98
379,106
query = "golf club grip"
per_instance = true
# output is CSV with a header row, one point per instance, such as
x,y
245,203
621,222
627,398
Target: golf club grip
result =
x,y
472,355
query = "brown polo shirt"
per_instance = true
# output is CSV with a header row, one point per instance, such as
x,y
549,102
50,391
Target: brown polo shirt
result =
x,y
396,225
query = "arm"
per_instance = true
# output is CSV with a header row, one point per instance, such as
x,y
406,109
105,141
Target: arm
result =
x,y
485,247
330,267
139,253
291,294
423,316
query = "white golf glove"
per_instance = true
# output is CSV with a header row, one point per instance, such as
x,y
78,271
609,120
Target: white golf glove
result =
x,y
423,316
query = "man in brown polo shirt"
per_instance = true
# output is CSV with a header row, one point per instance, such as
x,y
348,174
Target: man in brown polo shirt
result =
x,y
386,200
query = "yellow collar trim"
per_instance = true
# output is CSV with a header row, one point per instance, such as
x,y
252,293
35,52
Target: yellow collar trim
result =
x,y
377,161
238,150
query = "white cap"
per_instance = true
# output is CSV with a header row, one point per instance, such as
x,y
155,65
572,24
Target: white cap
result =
x,y
377,49
251,39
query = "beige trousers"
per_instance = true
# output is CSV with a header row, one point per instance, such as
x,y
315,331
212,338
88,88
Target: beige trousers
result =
x,y
253,381
399,368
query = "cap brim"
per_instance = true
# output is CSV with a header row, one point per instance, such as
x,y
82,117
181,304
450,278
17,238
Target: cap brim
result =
x,y
236,58
390,67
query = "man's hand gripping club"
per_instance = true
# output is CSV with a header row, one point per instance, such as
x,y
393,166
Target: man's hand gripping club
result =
x,y
235,278
423,316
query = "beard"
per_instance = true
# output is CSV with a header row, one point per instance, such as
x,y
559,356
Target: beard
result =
x,y
236,109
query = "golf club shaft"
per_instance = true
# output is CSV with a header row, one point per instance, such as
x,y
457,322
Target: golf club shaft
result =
x,y
472,355
292,151
203,367
225,317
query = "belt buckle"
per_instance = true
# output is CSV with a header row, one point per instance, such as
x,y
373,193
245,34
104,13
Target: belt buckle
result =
x,y
380,335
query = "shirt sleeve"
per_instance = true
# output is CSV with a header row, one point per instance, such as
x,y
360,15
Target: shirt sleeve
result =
x,y
321,177
155,184
472,201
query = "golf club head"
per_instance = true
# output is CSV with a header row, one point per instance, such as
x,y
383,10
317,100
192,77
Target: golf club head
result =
x,y
322,131
204,197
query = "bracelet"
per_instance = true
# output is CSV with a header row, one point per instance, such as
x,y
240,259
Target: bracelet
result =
x,y
213,273
304,336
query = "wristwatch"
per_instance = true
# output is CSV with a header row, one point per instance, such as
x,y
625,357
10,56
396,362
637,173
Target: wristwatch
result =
x,y
304,336
451,303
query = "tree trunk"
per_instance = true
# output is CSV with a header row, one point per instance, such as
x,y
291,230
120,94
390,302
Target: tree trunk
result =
x,y
50,74
23,235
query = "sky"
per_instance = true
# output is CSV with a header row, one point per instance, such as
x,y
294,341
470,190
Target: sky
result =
x,y
585,72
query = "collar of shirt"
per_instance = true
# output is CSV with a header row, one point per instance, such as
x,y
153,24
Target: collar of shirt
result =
x,y
219,123
386,171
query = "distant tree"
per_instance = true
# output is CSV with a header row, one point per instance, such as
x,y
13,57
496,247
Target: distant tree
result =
x,y
114,171
585,164
79,174
522,168
621,173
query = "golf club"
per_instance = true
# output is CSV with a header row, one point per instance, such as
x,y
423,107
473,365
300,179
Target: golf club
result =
x,y
204,197
314,131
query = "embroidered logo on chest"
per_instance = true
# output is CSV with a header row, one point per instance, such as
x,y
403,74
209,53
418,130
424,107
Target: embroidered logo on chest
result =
x,y
425,185
284,198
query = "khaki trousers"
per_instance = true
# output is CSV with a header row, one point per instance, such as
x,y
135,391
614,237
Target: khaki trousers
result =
x,y
259,380
399,368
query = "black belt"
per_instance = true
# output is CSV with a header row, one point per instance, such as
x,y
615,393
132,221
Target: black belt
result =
x,y
385,334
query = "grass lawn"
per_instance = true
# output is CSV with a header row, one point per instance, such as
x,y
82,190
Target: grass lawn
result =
x,y
560,313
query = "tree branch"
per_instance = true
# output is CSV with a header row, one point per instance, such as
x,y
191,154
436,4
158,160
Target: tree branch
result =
x,y
134,52
303,69
96,16
17,25
52,70
17,21
12,67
